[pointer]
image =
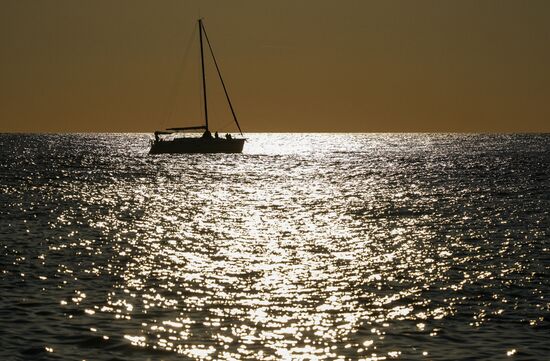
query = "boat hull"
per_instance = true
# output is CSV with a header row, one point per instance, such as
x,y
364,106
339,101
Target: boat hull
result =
x,y
197,145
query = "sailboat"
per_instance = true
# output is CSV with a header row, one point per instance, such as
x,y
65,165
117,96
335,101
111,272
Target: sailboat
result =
x,y
207,143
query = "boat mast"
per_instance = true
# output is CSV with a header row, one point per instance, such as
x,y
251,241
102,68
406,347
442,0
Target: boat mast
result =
x,y
203,77
221,79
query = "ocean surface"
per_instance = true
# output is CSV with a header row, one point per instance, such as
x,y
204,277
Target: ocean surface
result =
x,y
306,246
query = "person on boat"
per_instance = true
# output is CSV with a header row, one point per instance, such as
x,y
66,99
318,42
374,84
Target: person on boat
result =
x,y
228,136
216,135
207,134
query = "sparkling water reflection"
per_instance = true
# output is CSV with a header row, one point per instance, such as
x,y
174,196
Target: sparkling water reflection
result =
x,y
305,247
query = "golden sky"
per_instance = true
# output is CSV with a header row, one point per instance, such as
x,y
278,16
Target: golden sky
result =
x,y
290,65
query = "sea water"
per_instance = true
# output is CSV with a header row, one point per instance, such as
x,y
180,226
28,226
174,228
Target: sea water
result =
x,y
306,246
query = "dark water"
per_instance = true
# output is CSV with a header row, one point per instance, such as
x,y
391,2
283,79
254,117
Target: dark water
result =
x,y
305,247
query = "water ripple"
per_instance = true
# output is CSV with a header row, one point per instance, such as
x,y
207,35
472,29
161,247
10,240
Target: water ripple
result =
x,y
316,246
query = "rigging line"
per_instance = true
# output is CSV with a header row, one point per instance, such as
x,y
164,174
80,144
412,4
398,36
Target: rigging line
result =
x,y
172,96
221,79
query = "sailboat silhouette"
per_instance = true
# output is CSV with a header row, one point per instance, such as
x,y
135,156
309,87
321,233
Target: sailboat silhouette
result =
x,y
207,143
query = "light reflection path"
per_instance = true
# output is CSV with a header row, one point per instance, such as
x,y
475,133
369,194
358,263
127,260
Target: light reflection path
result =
x,y
254,263
304,247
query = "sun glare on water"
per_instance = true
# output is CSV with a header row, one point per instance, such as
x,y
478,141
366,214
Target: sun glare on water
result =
x,y
317,247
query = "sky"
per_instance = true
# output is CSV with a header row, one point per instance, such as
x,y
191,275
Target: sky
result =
x,y
289,65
